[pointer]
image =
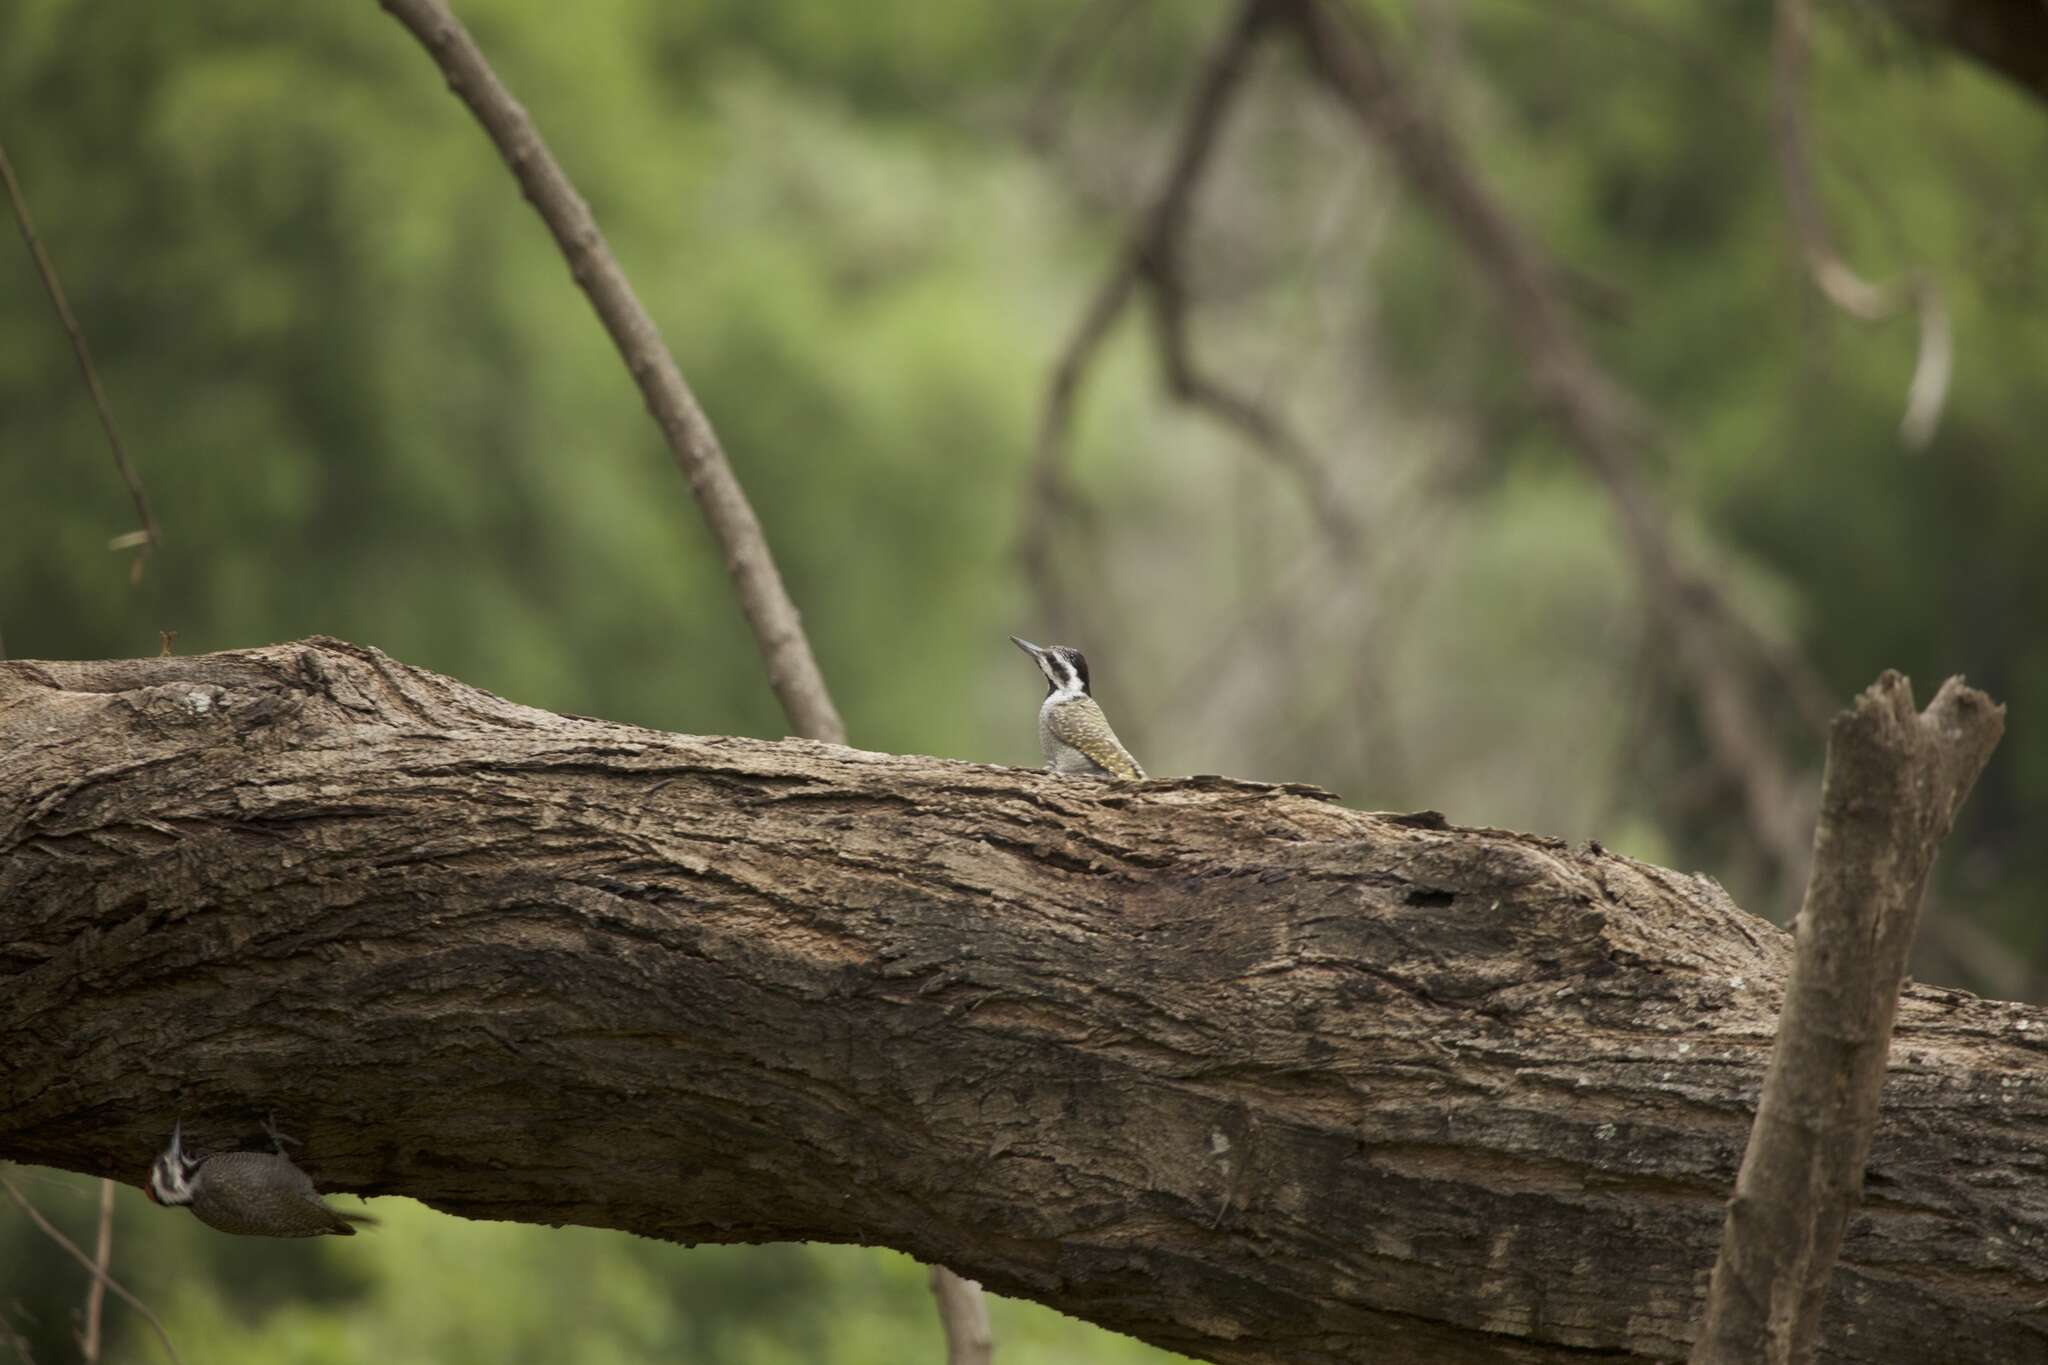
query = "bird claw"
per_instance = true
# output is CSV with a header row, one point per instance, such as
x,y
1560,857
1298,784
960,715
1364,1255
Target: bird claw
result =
x,y
277,1139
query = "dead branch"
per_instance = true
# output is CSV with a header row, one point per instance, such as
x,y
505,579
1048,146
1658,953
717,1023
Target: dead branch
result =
x,y
17,1341
1223,1066
777,626
1152,260
1257,423
1084,38
963,1312
96,1295
98,1272
150,536
1838,282
1894,782
1604,422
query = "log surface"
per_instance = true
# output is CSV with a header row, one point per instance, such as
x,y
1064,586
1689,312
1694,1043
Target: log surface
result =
x,y
1227,1067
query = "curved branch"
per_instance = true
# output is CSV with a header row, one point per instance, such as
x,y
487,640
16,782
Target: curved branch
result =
x,y
1223,1066
1603,421
150,536
777,626
1835,278
1151,261
101,1279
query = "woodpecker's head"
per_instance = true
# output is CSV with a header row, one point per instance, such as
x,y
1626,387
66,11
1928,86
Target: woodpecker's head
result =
x,y
170,1179
1064,668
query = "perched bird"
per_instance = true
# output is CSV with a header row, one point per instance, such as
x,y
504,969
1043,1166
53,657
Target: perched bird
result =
x,y
1072,730
252,1194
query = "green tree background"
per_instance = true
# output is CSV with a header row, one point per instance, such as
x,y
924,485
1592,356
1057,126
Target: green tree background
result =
x,y
367,401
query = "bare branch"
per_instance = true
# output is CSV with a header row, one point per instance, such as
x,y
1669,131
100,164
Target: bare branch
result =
x,y
778,628
1152,260
95,1297
1605,423
1258,424
1894,783
963,1312
99,1274
1051,490
1085,35
1837,281
1052,495
151,536
17,1341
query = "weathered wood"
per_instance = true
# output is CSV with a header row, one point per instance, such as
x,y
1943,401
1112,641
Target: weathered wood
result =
x,y
1224,1066
1895,780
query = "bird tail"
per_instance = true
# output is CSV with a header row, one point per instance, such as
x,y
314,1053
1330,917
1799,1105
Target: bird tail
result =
x,y
344,1224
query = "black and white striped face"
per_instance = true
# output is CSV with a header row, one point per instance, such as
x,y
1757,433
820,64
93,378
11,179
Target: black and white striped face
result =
x,y
1064,668
170,1179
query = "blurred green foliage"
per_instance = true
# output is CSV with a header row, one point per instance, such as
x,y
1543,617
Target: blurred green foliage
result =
x,y
423,1288
367,401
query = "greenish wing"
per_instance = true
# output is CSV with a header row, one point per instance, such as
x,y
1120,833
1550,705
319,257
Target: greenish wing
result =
x,y
1082,725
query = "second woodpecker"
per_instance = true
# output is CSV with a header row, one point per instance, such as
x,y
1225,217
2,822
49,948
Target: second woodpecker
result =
x,y
251,1194
1072,730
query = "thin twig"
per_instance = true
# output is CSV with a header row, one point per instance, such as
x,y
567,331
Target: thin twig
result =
x,y
1895,780
1051,491
17,1341
1605,423
1151,260
778,628
1264,428
1837,281
151,536
98,1273
1052,494
963,1312
1085,37
95,1297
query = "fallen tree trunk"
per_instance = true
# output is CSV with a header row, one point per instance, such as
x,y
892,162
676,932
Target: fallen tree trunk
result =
x,y
1224,1066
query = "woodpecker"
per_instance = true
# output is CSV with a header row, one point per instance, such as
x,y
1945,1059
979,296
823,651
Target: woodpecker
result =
x,y
1072,730
251,1194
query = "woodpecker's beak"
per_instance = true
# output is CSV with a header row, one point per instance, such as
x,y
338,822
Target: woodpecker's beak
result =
x,y
1043,657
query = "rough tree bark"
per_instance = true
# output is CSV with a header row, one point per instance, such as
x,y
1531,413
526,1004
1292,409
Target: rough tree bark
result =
x,y
1895,780
1224,1066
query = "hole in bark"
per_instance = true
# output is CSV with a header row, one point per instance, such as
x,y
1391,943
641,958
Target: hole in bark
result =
x,y
1421,819
1423,895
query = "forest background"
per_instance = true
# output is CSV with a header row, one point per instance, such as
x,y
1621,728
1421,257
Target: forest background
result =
x,y
366,400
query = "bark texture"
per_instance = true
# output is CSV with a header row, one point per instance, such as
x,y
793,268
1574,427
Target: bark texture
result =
x,y
1895,780
1224,1066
